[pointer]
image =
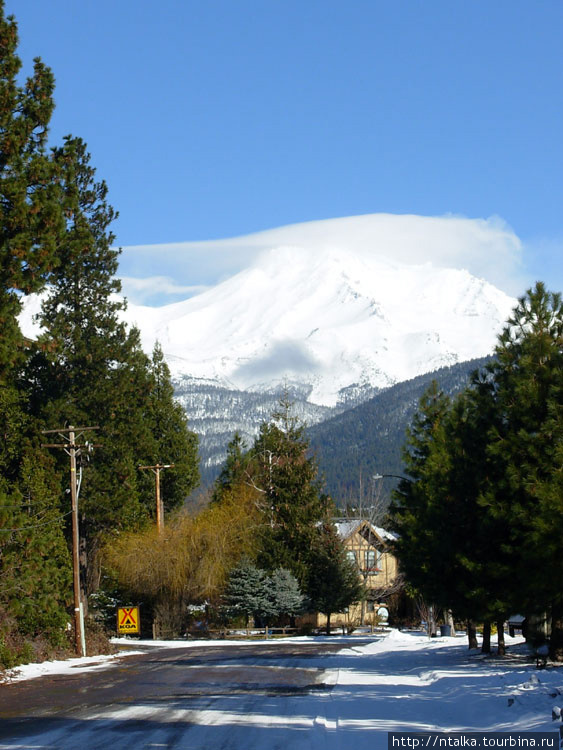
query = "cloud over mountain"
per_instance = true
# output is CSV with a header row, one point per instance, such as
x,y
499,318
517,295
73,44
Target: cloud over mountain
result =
x,y
366,301
487,248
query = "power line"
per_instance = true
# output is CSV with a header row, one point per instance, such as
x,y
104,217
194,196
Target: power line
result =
x,y
37,525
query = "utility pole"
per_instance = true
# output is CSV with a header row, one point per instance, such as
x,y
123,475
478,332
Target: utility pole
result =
x,y
72,449
156,469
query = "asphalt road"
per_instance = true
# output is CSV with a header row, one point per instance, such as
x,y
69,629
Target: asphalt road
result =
x,y
213,697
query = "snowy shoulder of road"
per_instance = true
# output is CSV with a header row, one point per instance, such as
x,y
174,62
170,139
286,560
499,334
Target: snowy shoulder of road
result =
x,y
65,666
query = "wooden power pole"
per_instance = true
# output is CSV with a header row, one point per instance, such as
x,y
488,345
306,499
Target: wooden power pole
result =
x,y
72,449
156,469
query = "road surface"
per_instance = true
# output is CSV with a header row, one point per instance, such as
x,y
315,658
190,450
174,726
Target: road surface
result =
x,y
233,697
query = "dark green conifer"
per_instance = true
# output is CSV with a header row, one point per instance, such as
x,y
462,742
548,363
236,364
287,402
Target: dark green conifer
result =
x,y
333,583
88,369
291,495
30,214
235,469
524,446
417,505
35,571
174,442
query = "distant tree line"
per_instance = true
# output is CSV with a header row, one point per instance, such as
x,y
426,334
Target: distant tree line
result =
x,y
264,547
480,514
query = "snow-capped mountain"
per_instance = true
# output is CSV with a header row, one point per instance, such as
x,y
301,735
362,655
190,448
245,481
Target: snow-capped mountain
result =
x,y
327,320
333,310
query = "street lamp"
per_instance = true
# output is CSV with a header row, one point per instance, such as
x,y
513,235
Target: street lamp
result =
x,y
395,476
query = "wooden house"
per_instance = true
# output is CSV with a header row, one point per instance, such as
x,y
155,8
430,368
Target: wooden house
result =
x,y
367,546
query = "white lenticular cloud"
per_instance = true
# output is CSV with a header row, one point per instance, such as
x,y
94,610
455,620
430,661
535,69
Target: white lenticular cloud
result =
x,y
487,248
141,291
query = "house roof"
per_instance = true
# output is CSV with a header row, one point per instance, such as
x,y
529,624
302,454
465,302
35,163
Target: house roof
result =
x,y
347,527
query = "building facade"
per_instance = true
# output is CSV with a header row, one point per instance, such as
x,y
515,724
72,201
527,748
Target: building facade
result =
x,y
368,547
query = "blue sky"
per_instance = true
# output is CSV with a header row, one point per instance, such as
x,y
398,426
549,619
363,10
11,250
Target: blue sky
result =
x,y
216,118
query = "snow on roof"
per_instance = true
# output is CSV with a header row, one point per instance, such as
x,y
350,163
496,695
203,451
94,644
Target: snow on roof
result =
x,y
346,527
384,534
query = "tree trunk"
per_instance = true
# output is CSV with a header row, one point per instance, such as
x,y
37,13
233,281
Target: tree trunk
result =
x,y
500,637
328,624
486,645
449,619
431,622
472,634
556,639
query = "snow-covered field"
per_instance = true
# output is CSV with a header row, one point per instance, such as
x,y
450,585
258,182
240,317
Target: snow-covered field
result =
x,y
399,682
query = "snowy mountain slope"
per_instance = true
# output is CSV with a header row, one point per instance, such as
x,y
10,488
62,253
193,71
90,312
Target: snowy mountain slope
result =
x,y
333,310
327,319
330,307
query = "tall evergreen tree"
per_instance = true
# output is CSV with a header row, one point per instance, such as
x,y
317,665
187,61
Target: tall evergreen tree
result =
x,y
33,587
175,443
35,578
290,492
417,501
30,213
333,580
524,445
484,508
235,471
89,369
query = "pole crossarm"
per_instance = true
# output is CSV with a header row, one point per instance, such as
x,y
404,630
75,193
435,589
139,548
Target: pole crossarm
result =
x,y
72,443
157,466
69,429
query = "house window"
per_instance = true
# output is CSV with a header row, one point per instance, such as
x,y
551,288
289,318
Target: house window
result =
x,y
351,555
370,606
372,559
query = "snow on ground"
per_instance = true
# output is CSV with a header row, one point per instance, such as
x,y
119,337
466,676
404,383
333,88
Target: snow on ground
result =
x,y
401,681
67,666
406,682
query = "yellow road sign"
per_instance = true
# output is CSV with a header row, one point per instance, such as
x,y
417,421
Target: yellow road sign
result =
x,y
128,620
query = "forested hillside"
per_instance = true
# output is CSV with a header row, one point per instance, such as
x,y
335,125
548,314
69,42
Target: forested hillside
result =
x,y
368,439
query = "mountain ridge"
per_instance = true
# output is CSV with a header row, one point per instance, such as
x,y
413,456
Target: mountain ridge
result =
x,y
328,322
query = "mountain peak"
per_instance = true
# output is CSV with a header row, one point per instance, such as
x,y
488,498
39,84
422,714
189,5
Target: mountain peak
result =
x,y
329,317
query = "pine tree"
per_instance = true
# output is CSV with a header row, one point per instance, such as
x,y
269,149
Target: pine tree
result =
x,y
524,446
88,369
333,580
235,469
30,214
175,443
417,502
480,525
248,592
290,492
450,548
285,594
33,588
35,569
